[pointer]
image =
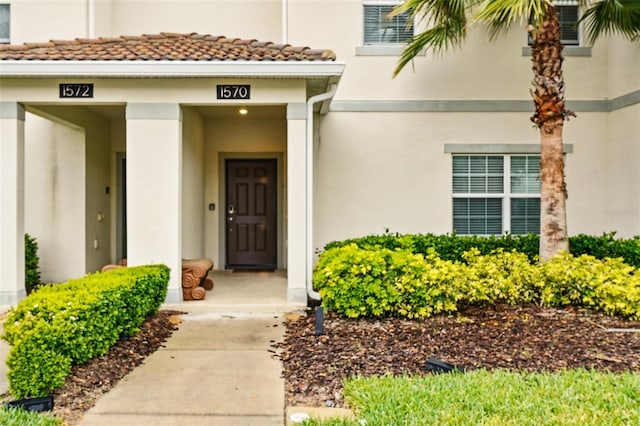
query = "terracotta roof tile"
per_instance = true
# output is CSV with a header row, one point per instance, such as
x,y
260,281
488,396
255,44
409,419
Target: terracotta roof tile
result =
x,y
163,46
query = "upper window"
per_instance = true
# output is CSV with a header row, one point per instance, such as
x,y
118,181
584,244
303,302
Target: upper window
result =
x,y
4,23
494,194
379,28
568,16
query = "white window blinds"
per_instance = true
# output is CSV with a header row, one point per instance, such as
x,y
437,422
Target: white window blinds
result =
x,y
380,28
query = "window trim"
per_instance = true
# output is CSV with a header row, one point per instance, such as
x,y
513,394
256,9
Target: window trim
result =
x,y
379,48
506,196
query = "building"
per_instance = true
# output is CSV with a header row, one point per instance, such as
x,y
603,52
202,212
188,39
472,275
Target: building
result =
x,y
116,144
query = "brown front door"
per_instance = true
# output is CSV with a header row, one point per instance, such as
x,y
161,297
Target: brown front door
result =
x,y
251,214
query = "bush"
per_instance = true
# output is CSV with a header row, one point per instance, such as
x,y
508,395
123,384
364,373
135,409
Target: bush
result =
x,y
31,264
452,247
358,282
61,325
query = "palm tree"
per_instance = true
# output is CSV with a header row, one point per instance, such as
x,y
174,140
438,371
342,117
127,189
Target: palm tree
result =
x,y
447,22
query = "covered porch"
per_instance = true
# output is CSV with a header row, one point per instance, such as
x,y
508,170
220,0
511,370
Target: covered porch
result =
x,y
151,167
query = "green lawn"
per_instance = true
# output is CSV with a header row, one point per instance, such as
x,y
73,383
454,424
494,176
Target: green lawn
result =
x,y
19,417
573,397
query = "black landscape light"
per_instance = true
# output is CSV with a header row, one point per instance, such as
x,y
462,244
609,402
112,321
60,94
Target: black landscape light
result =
x,y
319,323
436,366
43,403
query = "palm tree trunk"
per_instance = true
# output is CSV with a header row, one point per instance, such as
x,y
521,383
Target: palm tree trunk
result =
x,y
548,96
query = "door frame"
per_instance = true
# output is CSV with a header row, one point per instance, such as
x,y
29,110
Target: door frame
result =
x,y
281,255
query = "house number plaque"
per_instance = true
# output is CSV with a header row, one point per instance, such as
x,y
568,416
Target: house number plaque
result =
x,y
76,90
233,91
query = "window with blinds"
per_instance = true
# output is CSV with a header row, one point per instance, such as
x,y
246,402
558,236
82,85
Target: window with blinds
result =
x,y
568,16
380,28
5,21
494,194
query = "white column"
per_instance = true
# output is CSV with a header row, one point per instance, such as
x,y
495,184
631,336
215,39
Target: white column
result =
x,y
296,203
12,287
154,189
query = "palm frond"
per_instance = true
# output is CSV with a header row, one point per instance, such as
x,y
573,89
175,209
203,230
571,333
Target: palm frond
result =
x,y
436,39
612,16
446,23
498,15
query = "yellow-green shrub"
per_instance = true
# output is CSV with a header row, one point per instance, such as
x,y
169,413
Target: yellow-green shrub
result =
x,y
60,325
608,285
501,277
361,282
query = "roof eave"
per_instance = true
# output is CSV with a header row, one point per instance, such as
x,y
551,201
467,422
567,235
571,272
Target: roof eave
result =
x,y
171,69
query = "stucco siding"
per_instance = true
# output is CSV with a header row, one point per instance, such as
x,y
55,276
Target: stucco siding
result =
x,y
54,183
193,207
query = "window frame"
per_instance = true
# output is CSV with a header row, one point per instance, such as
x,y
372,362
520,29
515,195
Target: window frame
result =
x,y
506,196
380,43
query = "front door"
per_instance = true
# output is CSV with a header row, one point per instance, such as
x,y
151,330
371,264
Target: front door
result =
x,y
251,214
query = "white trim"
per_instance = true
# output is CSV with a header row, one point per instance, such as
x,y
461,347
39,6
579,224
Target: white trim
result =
x,y
13,68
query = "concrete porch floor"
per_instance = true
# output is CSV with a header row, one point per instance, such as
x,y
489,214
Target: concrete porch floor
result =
x,y
244,292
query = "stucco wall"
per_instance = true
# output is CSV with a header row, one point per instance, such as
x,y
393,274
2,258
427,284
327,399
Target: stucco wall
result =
x,y
622,205
193,207
54,184
43,20
624,66
258,19
97,203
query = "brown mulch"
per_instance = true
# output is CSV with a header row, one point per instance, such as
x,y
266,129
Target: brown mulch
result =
x,y
526,338
521,338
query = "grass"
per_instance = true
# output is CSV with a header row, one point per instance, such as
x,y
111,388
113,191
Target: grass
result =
x,y
20,417
572,397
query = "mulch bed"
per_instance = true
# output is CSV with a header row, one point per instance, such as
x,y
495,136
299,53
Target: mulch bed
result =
x,y
525,338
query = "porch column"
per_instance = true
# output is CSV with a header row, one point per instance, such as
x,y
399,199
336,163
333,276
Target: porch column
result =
x,y
154,189
12,288
296,203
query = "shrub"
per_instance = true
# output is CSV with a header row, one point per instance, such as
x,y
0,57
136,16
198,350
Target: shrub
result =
x,y
607,246
452,246
608,285
31,264
61,325
359,282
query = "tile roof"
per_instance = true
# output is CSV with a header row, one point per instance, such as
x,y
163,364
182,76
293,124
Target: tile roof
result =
x,y
162,47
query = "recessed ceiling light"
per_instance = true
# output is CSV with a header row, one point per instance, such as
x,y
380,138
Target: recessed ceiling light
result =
x,y
243,111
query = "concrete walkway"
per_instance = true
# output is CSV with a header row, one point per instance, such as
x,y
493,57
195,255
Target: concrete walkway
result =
x,y
216,369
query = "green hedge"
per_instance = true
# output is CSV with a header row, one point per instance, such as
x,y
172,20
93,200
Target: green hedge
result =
x,y
31,264
358,282
452,247
61,325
